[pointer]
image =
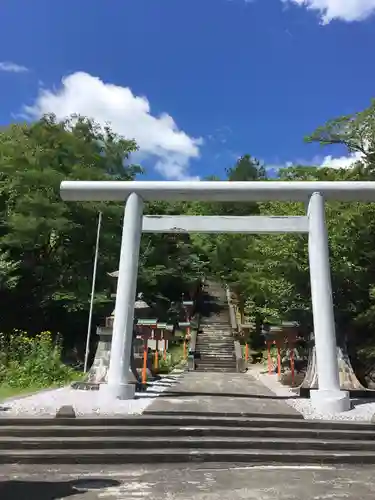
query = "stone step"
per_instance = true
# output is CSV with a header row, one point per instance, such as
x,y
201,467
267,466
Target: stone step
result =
x,y
228,350
210,329
220,362
224,343
216,326
215,334
215,351
156,455
215,339
222,325
228,341
218,320
215,369
216,359
273,417
211,326
210,357
214,323
215,355
225,327
218,351
224,357
215,364
216,342
179,420
183,442
219,348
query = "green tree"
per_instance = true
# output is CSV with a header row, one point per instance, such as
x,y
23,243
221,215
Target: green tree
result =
x,y
47,245
356,132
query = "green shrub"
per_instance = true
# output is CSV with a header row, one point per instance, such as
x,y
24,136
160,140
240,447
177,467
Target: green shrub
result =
x,y
27,361
174,357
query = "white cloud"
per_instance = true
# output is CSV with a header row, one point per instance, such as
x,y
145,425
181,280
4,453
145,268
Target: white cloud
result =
x,y
342,161
344,10
11,67
319,162
129,115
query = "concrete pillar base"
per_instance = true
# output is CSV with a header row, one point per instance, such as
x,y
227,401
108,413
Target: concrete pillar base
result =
x,y
330,402
117,391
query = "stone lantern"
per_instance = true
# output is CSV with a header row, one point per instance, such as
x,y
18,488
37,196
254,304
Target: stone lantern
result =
x,y
99,369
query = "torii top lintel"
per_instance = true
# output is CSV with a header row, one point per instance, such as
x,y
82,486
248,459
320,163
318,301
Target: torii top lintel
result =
x,y
217,190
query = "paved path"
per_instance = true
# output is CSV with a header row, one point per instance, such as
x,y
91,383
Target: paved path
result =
x,y
207,392
182,483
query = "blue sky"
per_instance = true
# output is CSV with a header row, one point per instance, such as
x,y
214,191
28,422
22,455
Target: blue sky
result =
x,y
196,82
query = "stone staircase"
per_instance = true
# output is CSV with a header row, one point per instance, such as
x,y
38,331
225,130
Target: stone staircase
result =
x,y
171,437
215,343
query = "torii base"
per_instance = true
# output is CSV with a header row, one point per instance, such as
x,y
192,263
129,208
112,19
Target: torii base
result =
x,y
348,381
98,373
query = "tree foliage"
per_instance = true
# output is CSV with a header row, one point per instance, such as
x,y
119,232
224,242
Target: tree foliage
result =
x,y
47,245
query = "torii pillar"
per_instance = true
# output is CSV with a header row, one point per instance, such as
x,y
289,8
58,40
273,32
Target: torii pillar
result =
x,y
328,398
119,386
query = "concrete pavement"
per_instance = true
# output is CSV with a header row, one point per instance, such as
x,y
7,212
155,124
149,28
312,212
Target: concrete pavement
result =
x,y
181,483
208,392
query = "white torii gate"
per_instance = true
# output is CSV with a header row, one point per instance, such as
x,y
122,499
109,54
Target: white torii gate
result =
x,y
328,397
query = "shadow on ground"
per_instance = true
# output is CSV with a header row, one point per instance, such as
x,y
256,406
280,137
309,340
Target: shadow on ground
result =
x,y
363,401
184,394
51,490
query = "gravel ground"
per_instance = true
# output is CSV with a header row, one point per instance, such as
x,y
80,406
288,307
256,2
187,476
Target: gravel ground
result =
x,y
85,403
363,410
89,403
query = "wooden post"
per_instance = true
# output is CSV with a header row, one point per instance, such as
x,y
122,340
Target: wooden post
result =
x,y
278,360
187,305
164,347
291,350
156,360
187,336
269,357
144,368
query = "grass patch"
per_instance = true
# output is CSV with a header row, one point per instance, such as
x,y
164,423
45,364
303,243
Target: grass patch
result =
x,y
7,392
